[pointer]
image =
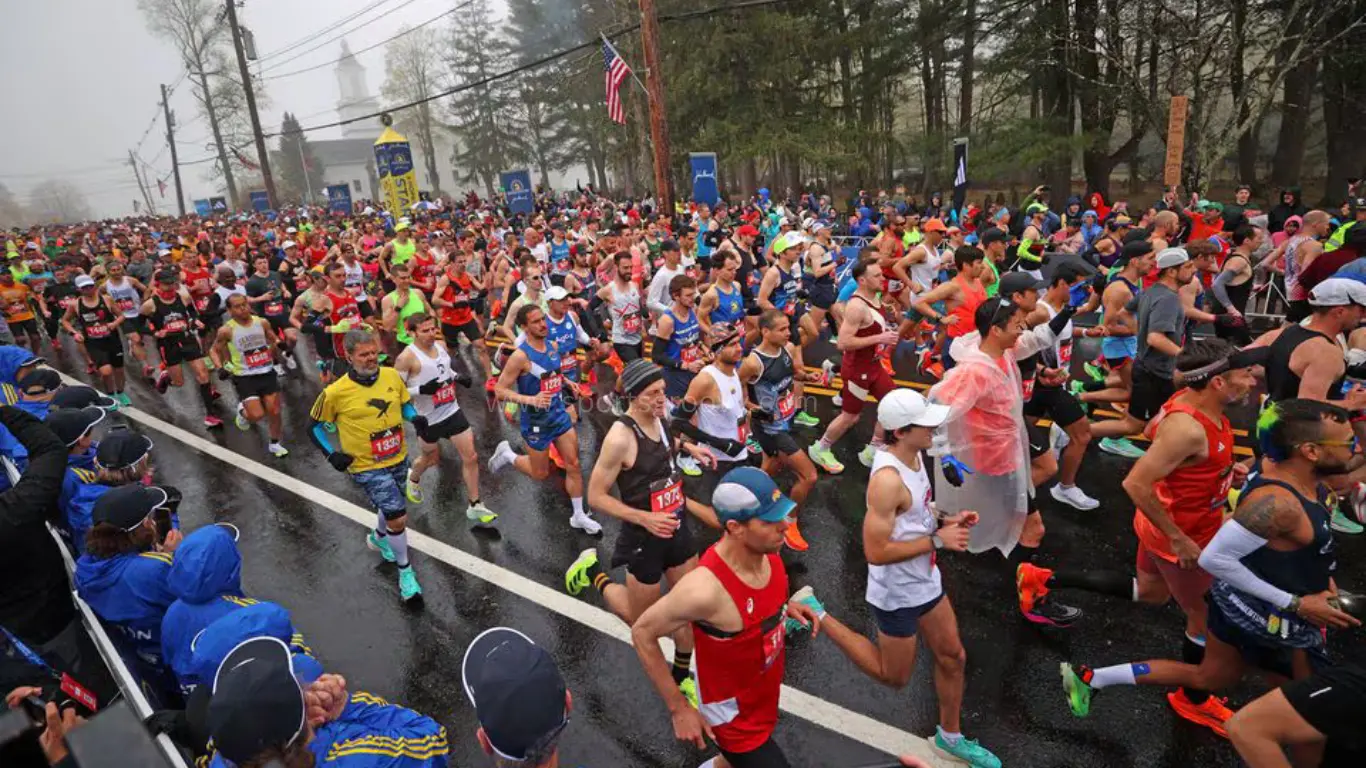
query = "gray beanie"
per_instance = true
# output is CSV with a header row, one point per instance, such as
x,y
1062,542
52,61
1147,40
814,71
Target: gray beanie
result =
x,y
637,375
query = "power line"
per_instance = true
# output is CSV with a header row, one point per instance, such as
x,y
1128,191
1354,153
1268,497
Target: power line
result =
x,y
338,37
432,20
315,35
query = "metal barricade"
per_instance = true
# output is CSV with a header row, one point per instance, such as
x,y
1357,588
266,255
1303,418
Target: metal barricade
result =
x,y
128,684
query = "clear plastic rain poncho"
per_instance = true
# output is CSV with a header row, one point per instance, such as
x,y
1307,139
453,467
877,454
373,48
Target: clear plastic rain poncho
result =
x,y
986,431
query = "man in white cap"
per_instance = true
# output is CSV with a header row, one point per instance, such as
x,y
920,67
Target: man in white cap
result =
x,y
901,538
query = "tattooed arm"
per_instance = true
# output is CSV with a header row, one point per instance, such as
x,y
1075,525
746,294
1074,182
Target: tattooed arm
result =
x,y
1269,513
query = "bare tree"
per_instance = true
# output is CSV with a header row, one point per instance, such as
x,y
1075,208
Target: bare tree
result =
x,y
411,70
59,201
12,212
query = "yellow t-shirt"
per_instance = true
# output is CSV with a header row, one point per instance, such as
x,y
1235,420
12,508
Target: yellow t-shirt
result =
x,y
369,419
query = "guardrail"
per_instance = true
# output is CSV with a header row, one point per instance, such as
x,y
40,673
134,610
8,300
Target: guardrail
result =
x,y
128,684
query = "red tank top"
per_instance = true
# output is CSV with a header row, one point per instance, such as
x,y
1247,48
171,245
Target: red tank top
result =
x,y
457,287
973,296
740,675
344,307
200,284
864,356
1195,495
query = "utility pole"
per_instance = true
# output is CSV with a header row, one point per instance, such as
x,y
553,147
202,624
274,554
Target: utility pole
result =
x,y
137,174
659,120
262,155
170,140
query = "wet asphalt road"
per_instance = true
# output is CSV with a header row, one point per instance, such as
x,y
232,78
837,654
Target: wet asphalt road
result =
x,y
345,601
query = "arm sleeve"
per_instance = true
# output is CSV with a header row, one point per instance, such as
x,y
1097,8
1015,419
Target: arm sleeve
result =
x,y
35,495
1223,556
659,354
1220,286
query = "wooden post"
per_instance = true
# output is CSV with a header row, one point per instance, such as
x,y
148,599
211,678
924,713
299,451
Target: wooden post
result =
x,y
1176,141
659,121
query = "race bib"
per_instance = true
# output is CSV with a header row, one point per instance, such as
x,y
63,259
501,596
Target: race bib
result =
x,y
742,429
774,641
630,323
894,286
690,354
445,395
1220,497
787,404
1065,355
568,362
386,444
550,383
125,304
176,326
275,308
97,330
666,496
256,358
1028,386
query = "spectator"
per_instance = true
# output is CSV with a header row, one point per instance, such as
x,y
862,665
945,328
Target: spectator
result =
x,y
1235,213
1209,221
15,362
80,488
1289,229
81,396
1289,205
519,698
261,713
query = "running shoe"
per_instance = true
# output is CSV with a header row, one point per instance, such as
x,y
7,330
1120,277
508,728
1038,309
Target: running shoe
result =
x,y
163,381
752,445
279,370
277,450
481,516
887,365
212,422
923,355
837,400
502,456
793,536
806,596
1053,614
376,544
1076,388
510,411
824,458
689,690
583,521
1344,524
865,456
1031,584
965,750
1094,371
828,370
1073,497
1058,439
689,466
1213,713
934,370
1075,682
576,578
804,419
1121,446
122,397
412,489
240,419
408,587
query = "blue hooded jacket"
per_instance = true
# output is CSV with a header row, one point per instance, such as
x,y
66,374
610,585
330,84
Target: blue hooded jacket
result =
x,y
129,593
208,646
77,500
1090,232
206,578
12,358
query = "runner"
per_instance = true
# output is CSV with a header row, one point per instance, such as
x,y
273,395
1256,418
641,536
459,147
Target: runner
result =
x,y
782,285
96,325
127,295
565,332
426,368
713,413
454,299
311,315
863,333
17,307
677,345
1233,286
269,297
367,408
625,310
245,350
403,302
532,380
1272,564
821,263
174,323
656,542
959,297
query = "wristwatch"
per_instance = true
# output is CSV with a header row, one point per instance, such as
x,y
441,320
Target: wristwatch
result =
x,y
1294,606
939,543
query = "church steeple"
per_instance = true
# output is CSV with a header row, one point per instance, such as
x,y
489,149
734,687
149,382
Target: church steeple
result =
x,y
355,99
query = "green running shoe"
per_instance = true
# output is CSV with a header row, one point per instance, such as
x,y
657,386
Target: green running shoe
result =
x,y
1344,524
412,490
122,397
239,419
407,584
824,458
804,419
806,596
1094,371
865,456
481,516
576,578
1120,446
689,466
967,750
381,546
689,690
1078,690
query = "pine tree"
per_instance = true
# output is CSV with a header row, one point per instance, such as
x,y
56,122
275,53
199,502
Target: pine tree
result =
x,y
535,29
299,171
486,117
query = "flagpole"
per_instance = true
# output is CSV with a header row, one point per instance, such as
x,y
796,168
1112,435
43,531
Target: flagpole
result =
x,y
617,53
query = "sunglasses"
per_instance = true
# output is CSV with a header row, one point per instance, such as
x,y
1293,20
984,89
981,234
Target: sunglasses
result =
x,y
1354,443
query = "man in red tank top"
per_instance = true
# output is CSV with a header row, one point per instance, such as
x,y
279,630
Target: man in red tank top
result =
x,y
345,313
960,298
1180,487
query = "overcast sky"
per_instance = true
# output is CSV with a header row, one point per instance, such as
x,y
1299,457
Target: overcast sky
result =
x,y
82,77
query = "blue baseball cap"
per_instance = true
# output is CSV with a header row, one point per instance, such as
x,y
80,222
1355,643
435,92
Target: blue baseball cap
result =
x,y
746,493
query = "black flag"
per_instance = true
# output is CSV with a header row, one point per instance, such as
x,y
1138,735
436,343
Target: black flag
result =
x,y
960,173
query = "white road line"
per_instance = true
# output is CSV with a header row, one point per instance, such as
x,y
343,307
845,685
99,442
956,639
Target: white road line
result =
x,y
833,717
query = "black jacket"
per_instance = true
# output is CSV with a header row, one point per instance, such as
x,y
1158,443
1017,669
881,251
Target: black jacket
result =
x,y
35,592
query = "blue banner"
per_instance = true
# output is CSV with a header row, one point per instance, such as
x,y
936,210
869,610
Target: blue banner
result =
x,y
382,160
201,207
704,187
339,199
218,204
260,201
517,187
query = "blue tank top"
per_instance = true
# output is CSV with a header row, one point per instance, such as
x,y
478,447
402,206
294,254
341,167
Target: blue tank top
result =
x,y
544,376
683,346
1303,571
730,307
564,336
785,294
773,393
559,257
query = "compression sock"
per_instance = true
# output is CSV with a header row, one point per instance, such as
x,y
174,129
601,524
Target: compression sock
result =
x,y
681,666
1119,674
1093,385
206,394
1022,554
1193,652
1111,583
381,525
577,503
399,543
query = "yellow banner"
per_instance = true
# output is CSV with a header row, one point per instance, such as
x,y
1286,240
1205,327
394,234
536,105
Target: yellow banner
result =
x,y
398,180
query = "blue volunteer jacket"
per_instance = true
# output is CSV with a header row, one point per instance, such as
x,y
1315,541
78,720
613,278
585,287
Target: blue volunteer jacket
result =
x,y
209,646
130,595
77,499
12,357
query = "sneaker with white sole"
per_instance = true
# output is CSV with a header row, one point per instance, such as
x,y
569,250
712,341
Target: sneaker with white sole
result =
x,y
689,466
277,450
1058,438
503,456
1121,446
240,419
584,521
824,458
412,489
865,456
1073,497
408,587
481,516
1344,524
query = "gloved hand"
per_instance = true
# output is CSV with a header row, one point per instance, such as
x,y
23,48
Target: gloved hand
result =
x,y
420,423
430,388
463,379
224,374
340,461
953,470
1078,295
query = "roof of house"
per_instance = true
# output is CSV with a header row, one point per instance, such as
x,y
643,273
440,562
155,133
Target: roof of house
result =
x,y
342,151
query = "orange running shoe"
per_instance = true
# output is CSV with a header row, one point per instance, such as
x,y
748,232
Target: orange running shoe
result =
x,y
555,456
1031,584
794,538
887,365
1212,713
935,370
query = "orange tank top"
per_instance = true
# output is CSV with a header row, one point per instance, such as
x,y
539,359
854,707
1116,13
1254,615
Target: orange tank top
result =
x,y
1194,495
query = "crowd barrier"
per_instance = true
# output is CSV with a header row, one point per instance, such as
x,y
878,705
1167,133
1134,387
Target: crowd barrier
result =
x,y
129,687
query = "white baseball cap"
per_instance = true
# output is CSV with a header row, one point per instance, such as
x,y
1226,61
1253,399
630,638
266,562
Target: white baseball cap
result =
x,y
1338,292
84,281
906,407
556,293
1172,257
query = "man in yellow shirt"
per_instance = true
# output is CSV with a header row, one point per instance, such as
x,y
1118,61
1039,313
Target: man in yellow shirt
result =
x,y
366,409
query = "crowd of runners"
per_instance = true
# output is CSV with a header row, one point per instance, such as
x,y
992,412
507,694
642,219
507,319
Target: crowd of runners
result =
x,y
699,331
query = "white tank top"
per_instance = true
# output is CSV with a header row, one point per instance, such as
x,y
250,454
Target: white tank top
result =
x,y
355,280
442,405
626,318
913,582
1062,345
728,420
927,271
125,296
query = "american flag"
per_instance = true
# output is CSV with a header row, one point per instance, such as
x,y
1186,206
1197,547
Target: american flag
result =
x,y
614,71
